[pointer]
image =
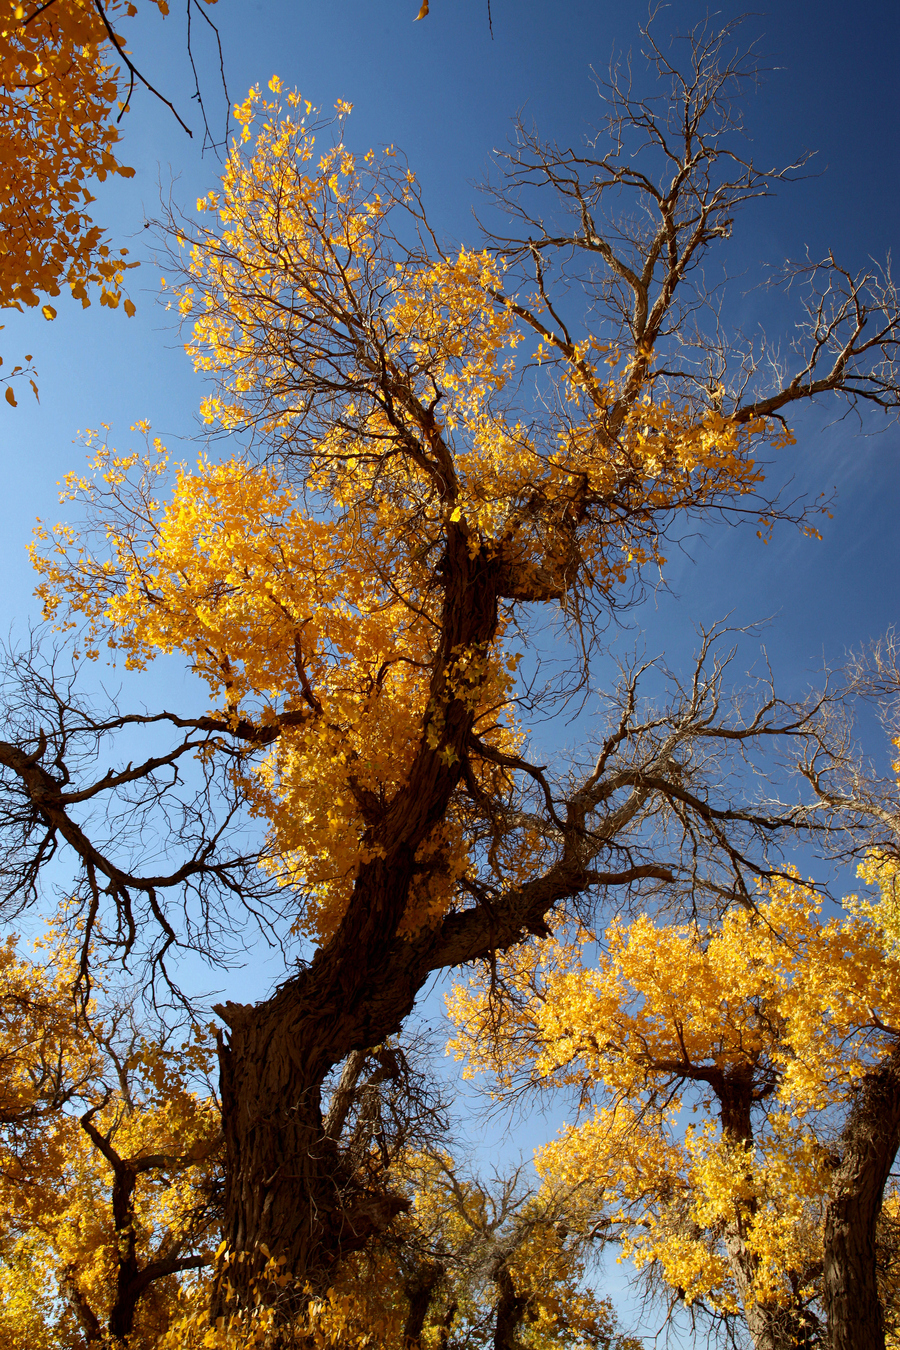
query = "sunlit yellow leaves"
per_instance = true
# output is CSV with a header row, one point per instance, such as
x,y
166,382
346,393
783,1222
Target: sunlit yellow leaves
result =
x,y
56,133
483,1241
299,266
381,373
296,624
58,1231
673,1019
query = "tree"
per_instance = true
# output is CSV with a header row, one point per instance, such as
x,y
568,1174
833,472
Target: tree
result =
x,y
763,1026
499,1264
783,1032
871,1134
465,1263
358,593
108,1176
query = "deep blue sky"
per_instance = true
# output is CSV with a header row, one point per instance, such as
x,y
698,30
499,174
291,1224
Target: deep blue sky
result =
x,y
444,92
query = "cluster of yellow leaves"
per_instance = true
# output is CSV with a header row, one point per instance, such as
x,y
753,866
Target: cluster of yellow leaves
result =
x,y
289,225
306,265
363,1311
56,95
880,869
775,1008
58,1238
294,622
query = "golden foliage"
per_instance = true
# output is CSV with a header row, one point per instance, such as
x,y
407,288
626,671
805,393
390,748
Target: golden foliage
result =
x,y
308,594
311,276
65,1236
296,624
759,1027
58,92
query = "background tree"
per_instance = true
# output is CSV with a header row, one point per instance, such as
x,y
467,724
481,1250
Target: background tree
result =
x,y
781,1031
108,1164
499,1264
358,596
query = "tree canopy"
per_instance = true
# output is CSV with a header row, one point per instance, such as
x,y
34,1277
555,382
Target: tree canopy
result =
x,y
61,83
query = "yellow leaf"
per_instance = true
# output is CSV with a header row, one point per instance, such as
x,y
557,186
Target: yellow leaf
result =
x,y
129,308
48,311
422,12
10,396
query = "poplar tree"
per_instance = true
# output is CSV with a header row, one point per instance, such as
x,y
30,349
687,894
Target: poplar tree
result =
x,y
447,450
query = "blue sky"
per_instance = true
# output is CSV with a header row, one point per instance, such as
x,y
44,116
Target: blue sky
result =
x,y
445,92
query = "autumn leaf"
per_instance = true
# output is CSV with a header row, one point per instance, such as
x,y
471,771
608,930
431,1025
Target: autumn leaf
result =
x,y
47,153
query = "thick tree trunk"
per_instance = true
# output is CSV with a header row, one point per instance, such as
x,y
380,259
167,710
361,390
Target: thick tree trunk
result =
x,y
420,1288
511,1309
288,1192
771,1326
868,1146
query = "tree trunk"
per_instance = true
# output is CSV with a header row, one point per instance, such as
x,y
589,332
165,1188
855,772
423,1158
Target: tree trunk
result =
x,y
511,1308
868,1146
420,1287
771,1326
289,1191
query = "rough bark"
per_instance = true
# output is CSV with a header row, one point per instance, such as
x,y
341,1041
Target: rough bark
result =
x,y
288,1189
286,1185
511,1309
868,1146
771,1326
420,1288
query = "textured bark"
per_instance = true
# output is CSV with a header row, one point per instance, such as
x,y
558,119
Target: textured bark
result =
x,y
771,1326
868,1146
511,1308
420,1288
287,1188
